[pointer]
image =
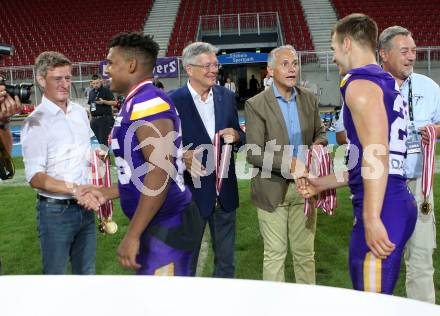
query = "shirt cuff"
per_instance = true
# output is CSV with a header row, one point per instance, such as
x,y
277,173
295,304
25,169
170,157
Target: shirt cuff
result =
x,y
31,171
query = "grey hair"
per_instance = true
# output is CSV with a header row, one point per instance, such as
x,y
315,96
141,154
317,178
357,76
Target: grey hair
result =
x,y
271,58
193,50
389,33
50,60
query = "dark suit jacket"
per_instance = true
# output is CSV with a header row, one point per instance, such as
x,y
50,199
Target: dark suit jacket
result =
x,y
195,134
265,123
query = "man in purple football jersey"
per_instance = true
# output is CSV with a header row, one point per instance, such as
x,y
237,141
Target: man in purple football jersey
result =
x,y
375,119
146,141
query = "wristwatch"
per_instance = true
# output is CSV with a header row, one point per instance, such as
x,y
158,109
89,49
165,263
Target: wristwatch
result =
x,y
4,125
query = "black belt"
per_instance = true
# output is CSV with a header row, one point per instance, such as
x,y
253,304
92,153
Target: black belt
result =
x,y
57,201
99,116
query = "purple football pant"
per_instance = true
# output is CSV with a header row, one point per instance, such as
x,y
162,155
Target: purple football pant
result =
x,y
371,274
158,258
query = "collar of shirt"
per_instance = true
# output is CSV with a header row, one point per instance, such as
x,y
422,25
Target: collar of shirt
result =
x,y
278,94
135,89
196,97
205,110
405,85
291,119
52,108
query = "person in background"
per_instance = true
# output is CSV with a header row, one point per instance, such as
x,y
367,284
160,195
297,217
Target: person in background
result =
x,y
397,51
268,80
157,83
207,109
101,101
289,116
230,85
254,86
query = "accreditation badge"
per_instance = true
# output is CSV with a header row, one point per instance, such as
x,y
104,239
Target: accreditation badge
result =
x,y
413,141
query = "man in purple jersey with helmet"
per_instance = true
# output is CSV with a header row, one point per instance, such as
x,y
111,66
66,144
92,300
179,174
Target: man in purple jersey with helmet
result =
x,y
146,141
375,118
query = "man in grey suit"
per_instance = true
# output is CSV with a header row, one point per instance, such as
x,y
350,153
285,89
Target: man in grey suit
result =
x,y
279,121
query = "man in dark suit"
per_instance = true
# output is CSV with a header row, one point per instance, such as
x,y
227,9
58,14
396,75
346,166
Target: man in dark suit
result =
x,y
278,118
206,109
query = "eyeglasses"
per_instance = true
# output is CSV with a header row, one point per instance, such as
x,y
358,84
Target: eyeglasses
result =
x,y
286,65
209,66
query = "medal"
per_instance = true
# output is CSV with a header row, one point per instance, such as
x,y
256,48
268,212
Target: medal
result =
x,y
425,208
319,162
110,227
222,158
428,168
102,178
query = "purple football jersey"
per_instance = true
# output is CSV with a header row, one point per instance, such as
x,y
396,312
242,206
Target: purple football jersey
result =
x,y
399,213
144,104
397,113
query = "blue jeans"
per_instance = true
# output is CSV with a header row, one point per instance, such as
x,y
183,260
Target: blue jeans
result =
x,y
222,228
66,231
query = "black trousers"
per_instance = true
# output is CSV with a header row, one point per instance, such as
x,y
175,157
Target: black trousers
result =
x,y
222,227
102,126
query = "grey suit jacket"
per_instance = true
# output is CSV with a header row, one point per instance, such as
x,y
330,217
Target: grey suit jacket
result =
x,y
266,128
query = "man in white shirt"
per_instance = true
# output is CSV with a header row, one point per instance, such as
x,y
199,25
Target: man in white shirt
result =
x,y
267,81
56,148
398,54
230,85
341,137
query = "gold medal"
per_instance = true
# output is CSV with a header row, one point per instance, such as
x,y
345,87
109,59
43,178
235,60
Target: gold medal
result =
x,y
425,208
110,227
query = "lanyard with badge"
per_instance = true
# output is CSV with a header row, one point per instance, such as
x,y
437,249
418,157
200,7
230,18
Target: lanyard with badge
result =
x,y
413,141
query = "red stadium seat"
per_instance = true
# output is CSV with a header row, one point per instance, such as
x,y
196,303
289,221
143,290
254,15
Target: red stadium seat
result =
x,y
422,20
290,12
70,28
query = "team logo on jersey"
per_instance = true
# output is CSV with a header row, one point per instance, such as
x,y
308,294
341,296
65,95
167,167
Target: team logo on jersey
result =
x,y
344,80
150,107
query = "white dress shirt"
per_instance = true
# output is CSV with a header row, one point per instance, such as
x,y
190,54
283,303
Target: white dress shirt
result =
x,y
57,144
267,82
426,110
230,86
339,126
206,110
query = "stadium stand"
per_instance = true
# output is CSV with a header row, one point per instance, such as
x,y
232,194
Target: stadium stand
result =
x,y
79,29
290,12
420,17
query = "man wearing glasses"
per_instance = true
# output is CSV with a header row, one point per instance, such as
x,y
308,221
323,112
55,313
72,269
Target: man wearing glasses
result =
x,y
280,120
207,110
56,144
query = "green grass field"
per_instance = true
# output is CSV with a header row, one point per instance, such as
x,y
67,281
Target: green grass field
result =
x,y
20,254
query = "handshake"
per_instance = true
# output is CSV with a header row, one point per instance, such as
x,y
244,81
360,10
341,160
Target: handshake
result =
x,y
89,196
307,184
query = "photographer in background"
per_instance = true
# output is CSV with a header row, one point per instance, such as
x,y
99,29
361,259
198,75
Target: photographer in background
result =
x,y
101,101
8,107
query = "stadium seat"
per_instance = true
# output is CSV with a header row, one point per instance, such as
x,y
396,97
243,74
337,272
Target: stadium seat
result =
x,y
422,20
79,29
290,12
